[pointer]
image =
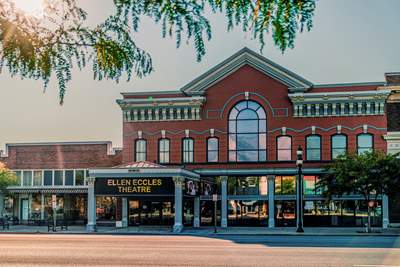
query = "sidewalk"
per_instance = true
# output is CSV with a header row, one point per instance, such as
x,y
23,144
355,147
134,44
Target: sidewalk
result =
x,y
209,231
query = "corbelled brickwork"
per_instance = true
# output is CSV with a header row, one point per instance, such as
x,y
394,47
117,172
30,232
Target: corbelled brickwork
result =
x,y
61,156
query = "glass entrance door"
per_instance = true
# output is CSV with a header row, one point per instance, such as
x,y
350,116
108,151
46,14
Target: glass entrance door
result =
x,y
150,213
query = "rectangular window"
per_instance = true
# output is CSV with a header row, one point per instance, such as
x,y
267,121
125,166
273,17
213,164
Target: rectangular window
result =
x,y
58,177
79,177
249,185
212,149
27,178
313,144
37,178
284,148
163,150
141,150
188,150
48,178
69,177
285,185
339,145
18,174
364,143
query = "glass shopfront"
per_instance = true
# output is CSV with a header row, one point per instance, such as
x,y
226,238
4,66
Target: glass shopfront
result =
x,y
248,213
146,212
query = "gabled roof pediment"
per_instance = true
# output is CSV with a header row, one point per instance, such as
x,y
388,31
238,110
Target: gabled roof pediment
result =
x,y
246,57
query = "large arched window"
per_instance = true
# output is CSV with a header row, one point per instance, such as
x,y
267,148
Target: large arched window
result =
x,y
247,132
141,150
163,150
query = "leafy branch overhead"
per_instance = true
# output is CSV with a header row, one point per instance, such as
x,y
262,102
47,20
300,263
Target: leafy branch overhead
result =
x,y
54,43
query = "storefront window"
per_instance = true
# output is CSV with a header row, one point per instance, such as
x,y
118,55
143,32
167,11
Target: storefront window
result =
x,y
35,207
285,185
207,213
310,185
8,206
106,208
247,213
250,185
285,213
37,178
27,178
79,177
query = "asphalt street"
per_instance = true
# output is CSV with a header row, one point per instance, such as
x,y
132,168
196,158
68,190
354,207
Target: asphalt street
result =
x,y
124,250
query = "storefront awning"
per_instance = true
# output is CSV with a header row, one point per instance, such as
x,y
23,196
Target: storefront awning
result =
x,y
48,190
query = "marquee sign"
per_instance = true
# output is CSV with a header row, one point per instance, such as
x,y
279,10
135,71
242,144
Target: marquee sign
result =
x,y
134,186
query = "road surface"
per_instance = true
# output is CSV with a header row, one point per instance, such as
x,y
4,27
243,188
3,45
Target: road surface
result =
x,y
275,251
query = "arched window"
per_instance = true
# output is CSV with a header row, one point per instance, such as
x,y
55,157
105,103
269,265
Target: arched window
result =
x,y
313,147
338,145
284,147
163,150
140,150
247,132
187,150
212,149
364,143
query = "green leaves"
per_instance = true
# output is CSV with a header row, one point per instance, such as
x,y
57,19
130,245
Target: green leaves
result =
x,y
371,173
7,178
38,47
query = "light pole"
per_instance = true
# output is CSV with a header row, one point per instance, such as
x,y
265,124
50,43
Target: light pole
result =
x,y
299,189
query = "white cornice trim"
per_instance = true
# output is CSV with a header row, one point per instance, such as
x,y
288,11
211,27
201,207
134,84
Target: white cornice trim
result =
x,y
244,57
146,93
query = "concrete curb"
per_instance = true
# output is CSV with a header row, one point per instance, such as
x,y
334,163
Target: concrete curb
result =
x,y
203,234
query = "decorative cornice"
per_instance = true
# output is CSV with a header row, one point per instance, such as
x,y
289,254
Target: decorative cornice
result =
x,y
161,109
244,57
339,103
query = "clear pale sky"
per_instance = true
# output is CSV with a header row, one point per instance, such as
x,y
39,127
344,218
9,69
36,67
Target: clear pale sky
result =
x,y
351,41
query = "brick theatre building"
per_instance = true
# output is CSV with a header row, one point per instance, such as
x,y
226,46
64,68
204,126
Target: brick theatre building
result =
x,y
233,131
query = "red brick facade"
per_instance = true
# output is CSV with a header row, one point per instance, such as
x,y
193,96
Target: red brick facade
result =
x,y
61,156
273,96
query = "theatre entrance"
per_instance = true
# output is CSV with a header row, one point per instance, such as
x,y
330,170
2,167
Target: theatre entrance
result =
x,y
150,212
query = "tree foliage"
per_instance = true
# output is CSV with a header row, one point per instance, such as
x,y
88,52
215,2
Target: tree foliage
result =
x,y
370,174
7,177
39,47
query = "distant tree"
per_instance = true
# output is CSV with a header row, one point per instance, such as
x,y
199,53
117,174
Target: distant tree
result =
x,y
38,46
371,174
7,178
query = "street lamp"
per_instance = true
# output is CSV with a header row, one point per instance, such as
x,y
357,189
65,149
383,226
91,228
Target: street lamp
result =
x,y
299,189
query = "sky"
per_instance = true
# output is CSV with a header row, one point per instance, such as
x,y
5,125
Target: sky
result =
x,y
351,41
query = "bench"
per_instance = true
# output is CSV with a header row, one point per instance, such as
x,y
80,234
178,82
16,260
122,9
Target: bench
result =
x,y
60,224
4,223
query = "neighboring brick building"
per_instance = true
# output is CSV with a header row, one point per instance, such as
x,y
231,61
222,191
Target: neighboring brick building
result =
x,y
237,126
